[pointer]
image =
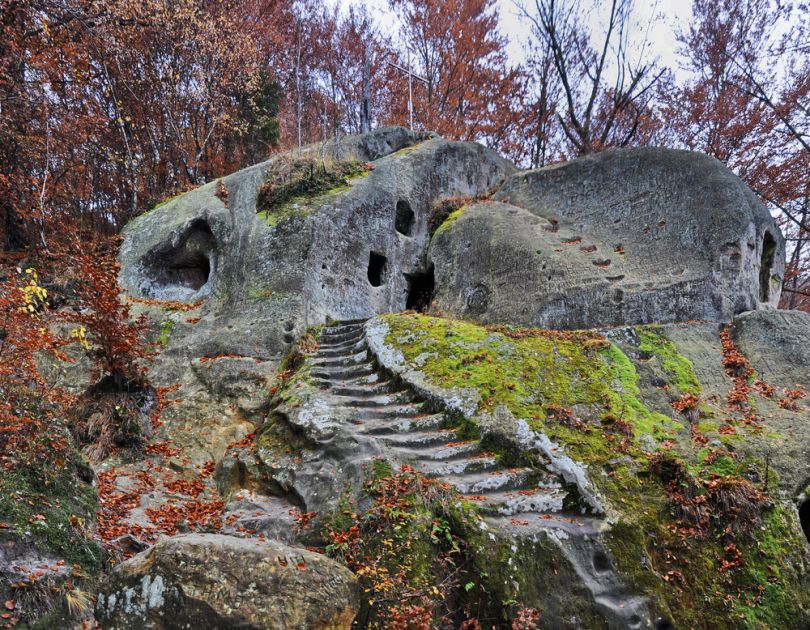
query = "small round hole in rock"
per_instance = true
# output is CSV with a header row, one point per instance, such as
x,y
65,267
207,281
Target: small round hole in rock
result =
x,y
376,269
601,562
404,218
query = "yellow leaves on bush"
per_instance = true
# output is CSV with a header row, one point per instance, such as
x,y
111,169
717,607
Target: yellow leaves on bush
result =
x,y
33,295
80,335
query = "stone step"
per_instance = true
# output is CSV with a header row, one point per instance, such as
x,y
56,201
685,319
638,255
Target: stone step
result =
x,y
510,502
342,373
378,400
418,439
463,465
369,380
342,349
336,329
490,481
362,390
341,361
389,412
530,523
333,339
416,456
347,322
401,425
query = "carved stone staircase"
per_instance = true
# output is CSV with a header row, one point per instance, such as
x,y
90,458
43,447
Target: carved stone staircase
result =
x,y
519,501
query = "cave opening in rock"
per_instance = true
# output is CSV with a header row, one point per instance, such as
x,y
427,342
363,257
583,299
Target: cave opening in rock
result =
x,y
804,518
184,265
420,290
766,266
376,269
404,218
187,265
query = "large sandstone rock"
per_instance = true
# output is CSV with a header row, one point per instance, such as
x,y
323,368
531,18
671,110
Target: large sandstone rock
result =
x,y
264,282
215,581
622,237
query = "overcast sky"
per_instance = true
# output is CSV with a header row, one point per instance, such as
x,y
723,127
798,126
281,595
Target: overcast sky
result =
x,y
655,22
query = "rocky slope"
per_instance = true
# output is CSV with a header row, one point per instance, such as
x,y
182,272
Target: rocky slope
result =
x,y
650,472
552,441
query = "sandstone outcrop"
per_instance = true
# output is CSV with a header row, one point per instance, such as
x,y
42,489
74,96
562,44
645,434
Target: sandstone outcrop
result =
x,y
626,236
215,581
551,432
266,277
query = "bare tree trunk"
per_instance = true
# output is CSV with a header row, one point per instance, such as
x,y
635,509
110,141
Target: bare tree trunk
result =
x,y
365,95
298,90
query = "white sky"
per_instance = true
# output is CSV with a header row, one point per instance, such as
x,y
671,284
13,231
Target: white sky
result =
x,y
666,16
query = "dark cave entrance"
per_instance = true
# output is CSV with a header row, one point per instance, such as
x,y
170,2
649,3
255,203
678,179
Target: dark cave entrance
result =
x,y
404,218
766,266
187,265
420,290
804,518
195,274
376,269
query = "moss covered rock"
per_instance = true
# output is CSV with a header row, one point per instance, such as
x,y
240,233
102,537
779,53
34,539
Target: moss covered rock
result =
x,y
710,564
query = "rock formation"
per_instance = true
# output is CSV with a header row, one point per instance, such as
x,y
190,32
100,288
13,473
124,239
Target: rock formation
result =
x,y
352,252
214,581
621,237
277,294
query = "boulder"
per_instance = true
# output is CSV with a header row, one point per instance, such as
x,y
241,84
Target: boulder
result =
x,y
776,342
216,581
625,236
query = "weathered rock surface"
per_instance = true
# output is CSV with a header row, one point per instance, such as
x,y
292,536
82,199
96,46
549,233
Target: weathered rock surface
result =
x,y
621,237
617,239
264,284
215,581
655,365
775,342
778,345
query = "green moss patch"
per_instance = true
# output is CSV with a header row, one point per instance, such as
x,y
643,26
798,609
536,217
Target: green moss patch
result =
x,y
530,374
445,212
583,392
675,365
166,329
293,186
56,515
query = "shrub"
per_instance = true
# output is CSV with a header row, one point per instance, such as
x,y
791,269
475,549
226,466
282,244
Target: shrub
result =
x,y
117,343
111,413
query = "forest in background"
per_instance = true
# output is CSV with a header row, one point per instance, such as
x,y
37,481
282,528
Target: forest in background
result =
x,y
108,107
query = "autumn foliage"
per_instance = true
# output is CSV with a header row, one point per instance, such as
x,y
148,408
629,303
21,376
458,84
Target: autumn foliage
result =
x,y
110,106
28,406
117,343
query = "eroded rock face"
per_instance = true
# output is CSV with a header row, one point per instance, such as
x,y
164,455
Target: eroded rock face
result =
x,y
622,237
349,253
625,237
215,581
